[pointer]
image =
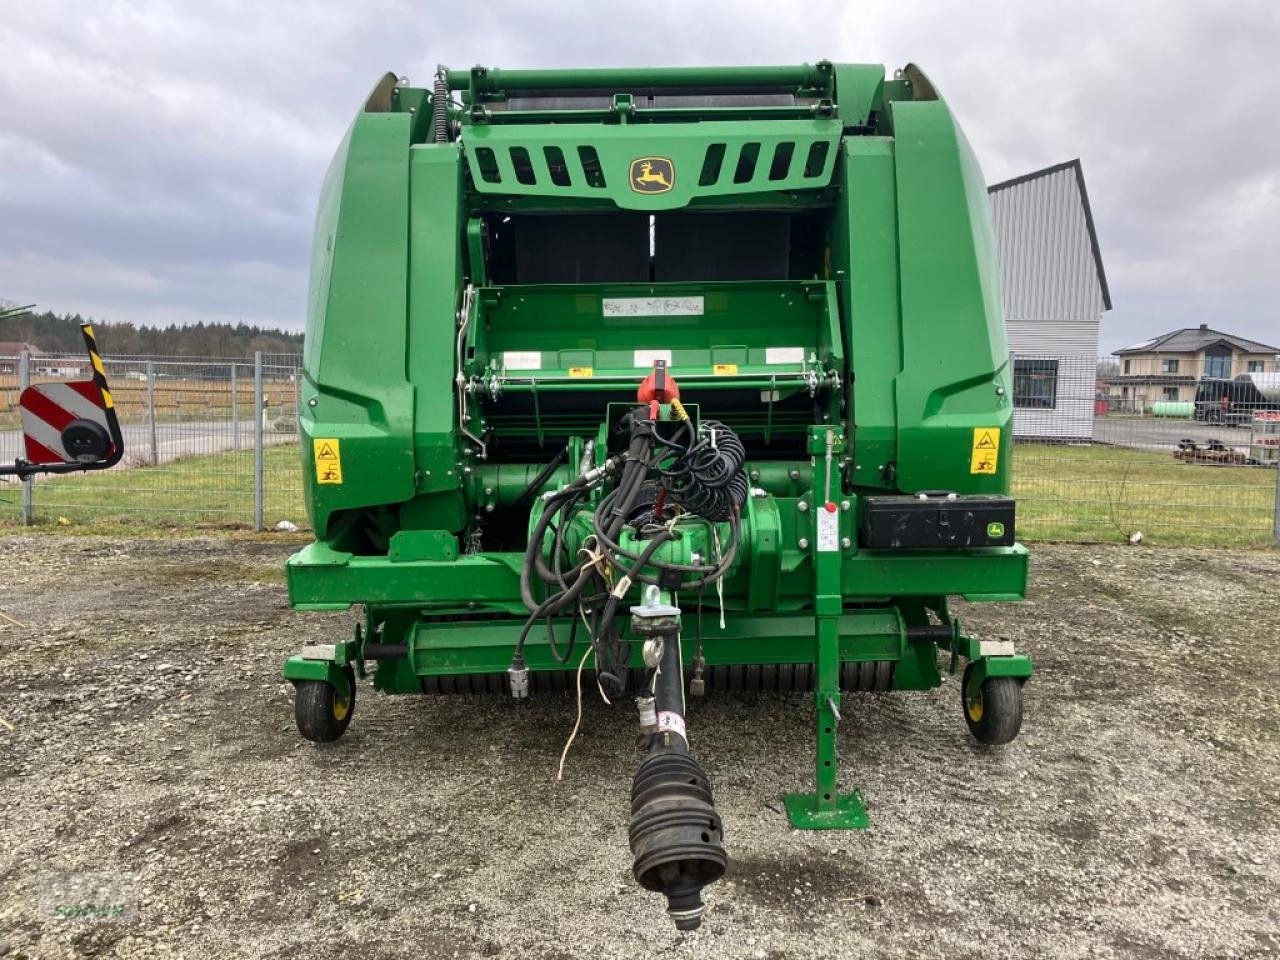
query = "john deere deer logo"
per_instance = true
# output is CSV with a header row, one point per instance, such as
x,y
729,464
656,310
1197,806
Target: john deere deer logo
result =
x,y
652,175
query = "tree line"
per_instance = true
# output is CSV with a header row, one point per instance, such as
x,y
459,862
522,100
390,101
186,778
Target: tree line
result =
x,y
55,333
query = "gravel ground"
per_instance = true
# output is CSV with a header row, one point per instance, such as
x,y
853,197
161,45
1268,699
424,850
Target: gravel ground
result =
x,y
1136,816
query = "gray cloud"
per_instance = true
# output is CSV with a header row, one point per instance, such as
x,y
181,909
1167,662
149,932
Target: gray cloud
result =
x,y
159,162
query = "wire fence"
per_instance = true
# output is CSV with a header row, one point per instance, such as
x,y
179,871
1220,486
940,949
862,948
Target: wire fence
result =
x,y
214,442
207,442
1094,463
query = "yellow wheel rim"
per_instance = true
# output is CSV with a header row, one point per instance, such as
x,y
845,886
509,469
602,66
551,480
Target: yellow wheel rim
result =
x,y
340,709
974,706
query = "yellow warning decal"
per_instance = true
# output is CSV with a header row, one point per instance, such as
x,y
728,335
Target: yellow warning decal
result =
x,y
986,450
581,371
725,369
328,456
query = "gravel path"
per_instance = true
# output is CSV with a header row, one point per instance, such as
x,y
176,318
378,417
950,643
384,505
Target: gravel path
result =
x,y
1137,816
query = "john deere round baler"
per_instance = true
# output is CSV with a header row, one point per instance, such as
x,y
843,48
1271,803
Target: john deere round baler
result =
x,y
691,380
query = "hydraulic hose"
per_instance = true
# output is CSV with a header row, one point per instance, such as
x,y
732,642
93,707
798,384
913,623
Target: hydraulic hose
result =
x,y
527,495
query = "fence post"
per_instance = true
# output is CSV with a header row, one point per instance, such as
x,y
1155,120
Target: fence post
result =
x,y
1275,527
235,412
151,412
28,492
257,441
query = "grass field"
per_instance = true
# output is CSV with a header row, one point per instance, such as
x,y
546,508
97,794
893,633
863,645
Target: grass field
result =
x,y
1107,493
1090,493
210,491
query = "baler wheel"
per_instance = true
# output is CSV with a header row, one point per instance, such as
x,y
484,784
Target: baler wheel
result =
x,y
321,715
993,712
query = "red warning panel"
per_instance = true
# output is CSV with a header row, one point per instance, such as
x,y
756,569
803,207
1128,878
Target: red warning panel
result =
x,y
49,408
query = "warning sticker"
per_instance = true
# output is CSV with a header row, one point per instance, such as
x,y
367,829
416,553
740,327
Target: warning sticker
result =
x,y
328,457
985,457
828,530
581,371
669,722
725,369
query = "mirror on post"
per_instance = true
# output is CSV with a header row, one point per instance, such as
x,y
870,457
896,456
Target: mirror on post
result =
x,y
69,425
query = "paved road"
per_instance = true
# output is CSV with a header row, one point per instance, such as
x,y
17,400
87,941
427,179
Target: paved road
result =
x,y
1160,434
173,440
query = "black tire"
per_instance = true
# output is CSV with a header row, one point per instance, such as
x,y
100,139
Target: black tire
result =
x,y
992,712
321,716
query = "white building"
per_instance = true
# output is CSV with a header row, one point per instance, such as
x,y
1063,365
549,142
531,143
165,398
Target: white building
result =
x,y
1055,292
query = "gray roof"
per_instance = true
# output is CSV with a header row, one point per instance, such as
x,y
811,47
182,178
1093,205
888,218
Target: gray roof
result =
x,y
1195,339
1050,264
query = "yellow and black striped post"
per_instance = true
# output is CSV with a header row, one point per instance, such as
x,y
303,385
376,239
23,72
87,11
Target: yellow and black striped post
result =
x,y
108,404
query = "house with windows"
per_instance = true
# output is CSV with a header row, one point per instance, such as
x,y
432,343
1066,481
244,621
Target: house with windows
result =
x,y
1169,367
1055,292
10,350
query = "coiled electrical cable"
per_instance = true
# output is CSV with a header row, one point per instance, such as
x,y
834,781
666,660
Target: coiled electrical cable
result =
x,y
707,479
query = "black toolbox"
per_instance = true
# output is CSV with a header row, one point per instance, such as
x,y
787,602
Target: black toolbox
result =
x,y
936,519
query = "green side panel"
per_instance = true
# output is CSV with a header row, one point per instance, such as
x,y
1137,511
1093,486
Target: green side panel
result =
x,y
435,279
955,363
865,254
685,145
355,388
858,87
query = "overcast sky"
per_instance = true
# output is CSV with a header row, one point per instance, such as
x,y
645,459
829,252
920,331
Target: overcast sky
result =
x,y
159,162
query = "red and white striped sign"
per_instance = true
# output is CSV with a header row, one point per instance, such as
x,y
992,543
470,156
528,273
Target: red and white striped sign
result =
x,y
48,408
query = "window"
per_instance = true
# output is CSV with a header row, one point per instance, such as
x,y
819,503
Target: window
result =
x,y
1171,393
1217,362
1257,366
1035,383
1168,365
1126,368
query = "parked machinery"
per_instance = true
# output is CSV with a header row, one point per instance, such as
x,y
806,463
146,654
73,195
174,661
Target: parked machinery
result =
x,y
592,354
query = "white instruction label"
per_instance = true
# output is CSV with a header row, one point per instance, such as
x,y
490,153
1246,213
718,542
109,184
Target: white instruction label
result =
x,y
828,529
646,358
784,355
652,306
671,723
522,360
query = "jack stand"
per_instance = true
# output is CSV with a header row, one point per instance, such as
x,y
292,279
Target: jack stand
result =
x,y
826,808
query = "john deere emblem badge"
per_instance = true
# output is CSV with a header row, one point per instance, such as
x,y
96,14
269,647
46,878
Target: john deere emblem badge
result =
x,y
652,175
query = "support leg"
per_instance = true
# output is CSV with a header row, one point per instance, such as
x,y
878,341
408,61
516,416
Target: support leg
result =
x,y
826,808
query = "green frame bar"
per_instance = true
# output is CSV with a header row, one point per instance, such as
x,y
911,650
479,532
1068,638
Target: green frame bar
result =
x,y
489,81
322,578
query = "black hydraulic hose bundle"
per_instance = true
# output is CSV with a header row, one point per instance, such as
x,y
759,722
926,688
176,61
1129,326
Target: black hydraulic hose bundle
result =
x,y
704,477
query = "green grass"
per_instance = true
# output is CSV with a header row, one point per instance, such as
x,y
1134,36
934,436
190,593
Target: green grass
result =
x,y
201,492
1106,493
1091,493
